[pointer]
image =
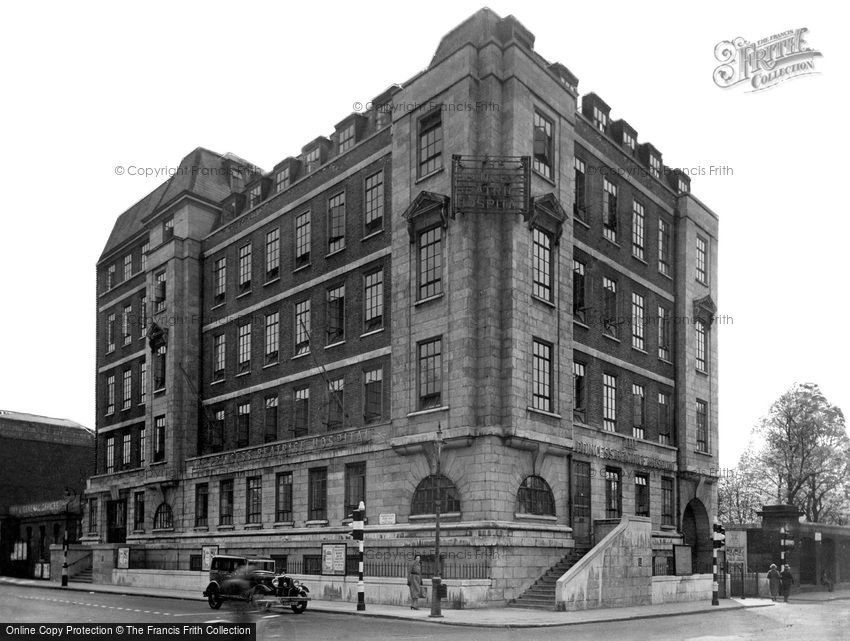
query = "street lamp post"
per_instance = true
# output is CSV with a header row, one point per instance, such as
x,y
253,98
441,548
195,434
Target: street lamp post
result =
x,y
436,580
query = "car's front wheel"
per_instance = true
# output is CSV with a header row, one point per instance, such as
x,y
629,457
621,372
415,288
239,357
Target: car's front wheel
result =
x,y
299,607
214,597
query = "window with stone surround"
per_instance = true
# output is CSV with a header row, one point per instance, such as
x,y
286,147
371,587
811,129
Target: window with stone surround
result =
x,y
702,426
702,260
542,265
542,376
641,495
254,499
225,502
535,497
426,494
430,263
317,494
667,501
430,372
701,345
355,486
202,496
544,148
430,142
613,493
283,497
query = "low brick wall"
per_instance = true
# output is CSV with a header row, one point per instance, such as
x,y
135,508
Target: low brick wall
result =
x,y
674,589
617,572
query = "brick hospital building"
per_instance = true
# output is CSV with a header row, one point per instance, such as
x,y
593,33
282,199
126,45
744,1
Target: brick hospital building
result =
x,y
483,251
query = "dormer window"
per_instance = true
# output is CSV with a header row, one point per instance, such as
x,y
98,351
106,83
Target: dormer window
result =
x,y
346,138
255,195
600,119
628,141
281,180
683,186
312,160
655,165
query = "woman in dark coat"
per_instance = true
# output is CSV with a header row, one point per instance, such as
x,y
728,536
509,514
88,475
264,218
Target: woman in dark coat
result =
x,y
414,582
773,581
786,579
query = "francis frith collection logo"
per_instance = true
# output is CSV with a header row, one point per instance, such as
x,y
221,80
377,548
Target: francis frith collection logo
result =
x,y
765,63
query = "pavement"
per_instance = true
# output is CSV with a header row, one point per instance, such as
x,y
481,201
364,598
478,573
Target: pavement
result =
x,y
476,617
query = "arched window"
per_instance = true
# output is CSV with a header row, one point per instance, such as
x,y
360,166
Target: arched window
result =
x,y
425,496
162,518
535,497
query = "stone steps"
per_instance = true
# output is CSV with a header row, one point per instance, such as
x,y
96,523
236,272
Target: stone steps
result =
x,y
541,595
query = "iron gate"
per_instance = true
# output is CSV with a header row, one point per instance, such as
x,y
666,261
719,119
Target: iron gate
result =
x,y
742,583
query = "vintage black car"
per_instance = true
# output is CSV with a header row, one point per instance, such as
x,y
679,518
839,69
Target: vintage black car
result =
x,y
255,581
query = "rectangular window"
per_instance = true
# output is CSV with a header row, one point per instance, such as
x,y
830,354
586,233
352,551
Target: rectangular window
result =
x,y
243,425
127,389
143,315
336,223
609,210
665,419
663,247
610,319
145,249
110,454
159,369
312,160
336,404
126,330
374,202
245,268
664,334
225,502
110,394
374,301
542,376
110,277
637,321
128,266
638,220
301,411
139,511
217,431
430,143
638,411
609,402
701,344
641,495
126,443
346,139
254,499
168,229
430,374
143,444
430,263
655,165
600,119
271,418
613,494
544,152
702,426
255,196
580,209
281,180
579,387
302,327
542,265
143,383
373,393
702,260
666,501
159,439
283,498
272,254
579,292
219,351
202,495
355,486
244,358
336,314
110,333
317,494
272,336
159,292
302,239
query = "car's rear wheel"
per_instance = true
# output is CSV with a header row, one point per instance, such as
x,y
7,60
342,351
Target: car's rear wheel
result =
x,y
214,598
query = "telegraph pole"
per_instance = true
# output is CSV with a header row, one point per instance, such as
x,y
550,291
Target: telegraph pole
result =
x,y
436,580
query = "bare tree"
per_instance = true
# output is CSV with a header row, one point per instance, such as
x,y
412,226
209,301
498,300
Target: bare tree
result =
x,y
740,492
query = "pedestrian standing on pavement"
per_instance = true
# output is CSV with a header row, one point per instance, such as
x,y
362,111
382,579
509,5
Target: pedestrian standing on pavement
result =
x,y
414,582
773,579
786,579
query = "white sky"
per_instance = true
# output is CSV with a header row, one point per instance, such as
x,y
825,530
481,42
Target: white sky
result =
x,y
89,86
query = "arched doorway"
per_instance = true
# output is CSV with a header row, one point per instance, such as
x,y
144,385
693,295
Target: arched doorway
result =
x,y
696,532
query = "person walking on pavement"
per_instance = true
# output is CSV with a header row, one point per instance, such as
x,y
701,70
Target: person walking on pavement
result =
x,y
773,579
414,582
786,579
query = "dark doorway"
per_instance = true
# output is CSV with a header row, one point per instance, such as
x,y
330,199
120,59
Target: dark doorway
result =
x,y
116,521
581,503
696,532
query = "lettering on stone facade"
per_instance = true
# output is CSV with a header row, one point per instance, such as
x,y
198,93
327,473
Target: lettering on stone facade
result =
x,y
490,184
606,452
